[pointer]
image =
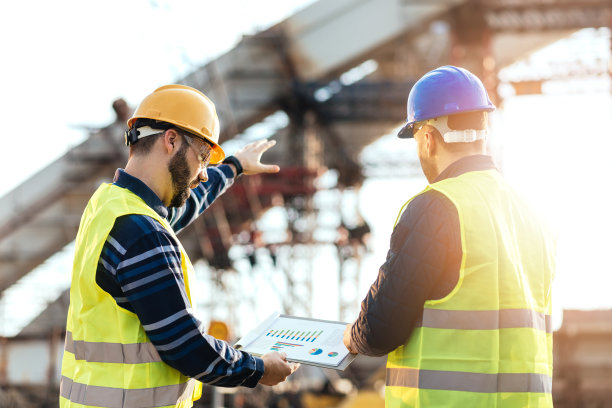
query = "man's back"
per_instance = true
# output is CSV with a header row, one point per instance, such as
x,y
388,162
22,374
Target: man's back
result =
x,y
489,341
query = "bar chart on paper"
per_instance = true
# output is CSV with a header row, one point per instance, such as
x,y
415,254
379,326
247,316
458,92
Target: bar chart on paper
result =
x,y
293,338
311,341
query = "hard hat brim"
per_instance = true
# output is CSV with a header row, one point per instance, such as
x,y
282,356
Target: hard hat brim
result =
x,y
217,154
406,132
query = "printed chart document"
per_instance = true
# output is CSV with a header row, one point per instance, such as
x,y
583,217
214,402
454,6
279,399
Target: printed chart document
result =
x,y
308,341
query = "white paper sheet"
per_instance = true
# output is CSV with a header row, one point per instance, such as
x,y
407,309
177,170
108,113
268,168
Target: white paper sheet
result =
x,y
309,341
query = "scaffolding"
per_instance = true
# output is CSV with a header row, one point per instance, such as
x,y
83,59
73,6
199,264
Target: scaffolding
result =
x,y
327,104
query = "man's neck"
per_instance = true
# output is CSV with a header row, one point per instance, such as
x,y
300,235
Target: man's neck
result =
x,y
150,172
447,158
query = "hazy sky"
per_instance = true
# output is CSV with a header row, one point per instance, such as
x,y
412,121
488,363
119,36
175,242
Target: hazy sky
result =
x,y
65,61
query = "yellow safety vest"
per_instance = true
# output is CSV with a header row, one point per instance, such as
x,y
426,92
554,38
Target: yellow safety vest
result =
x,y
488,343
108,359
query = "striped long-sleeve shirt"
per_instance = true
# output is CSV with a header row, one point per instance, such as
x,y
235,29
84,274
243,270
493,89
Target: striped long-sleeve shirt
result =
x,y
140,266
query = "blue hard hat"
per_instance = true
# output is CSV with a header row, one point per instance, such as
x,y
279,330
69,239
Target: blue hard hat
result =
x,y
444,91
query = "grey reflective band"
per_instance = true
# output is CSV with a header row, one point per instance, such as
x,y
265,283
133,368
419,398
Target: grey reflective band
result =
x,y
471,382
486,319
101,352
109,397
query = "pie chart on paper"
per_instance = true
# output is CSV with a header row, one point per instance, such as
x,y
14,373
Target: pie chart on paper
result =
x,y
315,351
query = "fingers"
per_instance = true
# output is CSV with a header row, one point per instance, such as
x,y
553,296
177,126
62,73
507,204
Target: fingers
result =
x,y
292,366
269,168
263,145
250,157
346,339
259,146
276,368
268,144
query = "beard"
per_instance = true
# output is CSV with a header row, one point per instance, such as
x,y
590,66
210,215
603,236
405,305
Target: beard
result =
x,y
179,173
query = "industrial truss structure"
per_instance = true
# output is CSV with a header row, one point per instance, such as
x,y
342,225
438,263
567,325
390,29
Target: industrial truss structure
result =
x,y
337,73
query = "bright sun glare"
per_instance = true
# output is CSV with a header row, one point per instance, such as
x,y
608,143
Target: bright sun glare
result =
x,y
556,152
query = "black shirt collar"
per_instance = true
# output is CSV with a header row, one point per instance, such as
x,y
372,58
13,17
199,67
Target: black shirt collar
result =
x,y
477,162
124,180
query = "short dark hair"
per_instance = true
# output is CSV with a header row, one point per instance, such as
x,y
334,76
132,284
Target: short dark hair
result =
x,y
144,145
468,120
476,120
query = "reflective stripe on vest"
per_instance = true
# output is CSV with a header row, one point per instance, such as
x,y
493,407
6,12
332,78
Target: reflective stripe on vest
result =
x,y
104,352
471,382
486,319
489,341
108,397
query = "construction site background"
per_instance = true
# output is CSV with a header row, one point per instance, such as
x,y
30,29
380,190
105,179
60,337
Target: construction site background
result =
x,y
310,239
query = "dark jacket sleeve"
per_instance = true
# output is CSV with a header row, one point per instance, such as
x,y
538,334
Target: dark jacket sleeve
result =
x,y
422,263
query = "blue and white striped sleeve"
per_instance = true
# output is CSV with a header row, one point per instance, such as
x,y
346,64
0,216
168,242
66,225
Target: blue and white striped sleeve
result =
x,y
143,261
220,178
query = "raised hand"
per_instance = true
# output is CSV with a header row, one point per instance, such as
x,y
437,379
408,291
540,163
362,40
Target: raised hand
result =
x,y
250,157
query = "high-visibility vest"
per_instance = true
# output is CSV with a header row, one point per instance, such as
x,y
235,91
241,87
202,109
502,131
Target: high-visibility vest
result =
x,y
488,343
108,359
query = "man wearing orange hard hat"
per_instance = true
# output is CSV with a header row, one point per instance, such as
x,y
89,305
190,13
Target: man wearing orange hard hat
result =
x,y
133,337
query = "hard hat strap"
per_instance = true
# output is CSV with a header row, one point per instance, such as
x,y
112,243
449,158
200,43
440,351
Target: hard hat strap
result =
x,y
134,134
456,136
465,136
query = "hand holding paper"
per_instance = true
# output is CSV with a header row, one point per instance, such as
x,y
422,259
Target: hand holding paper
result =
x,y
276,368
346,338
308,341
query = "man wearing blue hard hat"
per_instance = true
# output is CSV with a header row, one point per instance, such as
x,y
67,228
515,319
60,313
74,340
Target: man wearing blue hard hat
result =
x,y
462,304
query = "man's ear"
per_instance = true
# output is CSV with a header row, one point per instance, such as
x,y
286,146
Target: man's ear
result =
x,y
170,139
430,142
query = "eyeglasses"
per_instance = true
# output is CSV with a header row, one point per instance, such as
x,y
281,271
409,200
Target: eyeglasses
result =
x,y
417,126
203,152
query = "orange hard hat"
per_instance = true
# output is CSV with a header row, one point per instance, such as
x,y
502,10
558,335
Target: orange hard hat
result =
x,y
184,107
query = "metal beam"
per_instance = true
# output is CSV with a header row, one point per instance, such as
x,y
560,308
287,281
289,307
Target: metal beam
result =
x,y
282,68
